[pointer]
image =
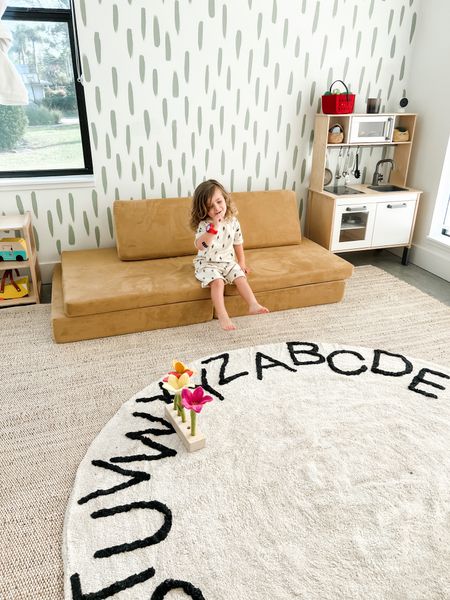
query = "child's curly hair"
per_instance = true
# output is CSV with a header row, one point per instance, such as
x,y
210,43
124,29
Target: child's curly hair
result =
x,y
202,195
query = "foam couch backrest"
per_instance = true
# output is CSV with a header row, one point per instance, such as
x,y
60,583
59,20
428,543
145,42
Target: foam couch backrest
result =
x,y
160,228
153,228
268,218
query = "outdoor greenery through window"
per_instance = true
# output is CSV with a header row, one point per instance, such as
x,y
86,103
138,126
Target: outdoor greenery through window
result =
x,y
49,136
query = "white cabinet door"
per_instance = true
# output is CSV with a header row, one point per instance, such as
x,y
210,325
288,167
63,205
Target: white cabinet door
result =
x,y
393,222
352,225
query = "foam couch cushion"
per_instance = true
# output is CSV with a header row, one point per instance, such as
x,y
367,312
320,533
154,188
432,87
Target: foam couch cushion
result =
x,y
268,219
291,266
153,228
160,228
97,281
118,322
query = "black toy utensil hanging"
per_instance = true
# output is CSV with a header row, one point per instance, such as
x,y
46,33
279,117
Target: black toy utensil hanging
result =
x,y
357,172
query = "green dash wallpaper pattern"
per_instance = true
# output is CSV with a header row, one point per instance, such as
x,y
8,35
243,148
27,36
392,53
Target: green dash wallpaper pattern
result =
x,y
182,90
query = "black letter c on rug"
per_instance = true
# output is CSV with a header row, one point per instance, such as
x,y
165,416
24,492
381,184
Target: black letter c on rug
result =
x,y
333,367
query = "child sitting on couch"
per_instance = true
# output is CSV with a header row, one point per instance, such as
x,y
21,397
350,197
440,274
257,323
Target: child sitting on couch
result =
x,y
220,258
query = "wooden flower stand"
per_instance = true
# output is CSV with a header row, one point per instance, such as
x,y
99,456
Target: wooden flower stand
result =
x,y
191,442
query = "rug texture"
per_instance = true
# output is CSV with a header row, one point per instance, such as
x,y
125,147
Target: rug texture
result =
x,y
326,475
57,398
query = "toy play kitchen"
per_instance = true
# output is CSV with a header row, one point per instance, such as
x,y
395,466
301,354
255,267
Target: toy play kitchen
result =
x,y
366,203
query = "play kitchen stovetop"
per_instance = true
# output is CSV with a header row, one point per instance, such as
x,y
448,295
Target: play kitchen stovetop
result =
x,y
341,190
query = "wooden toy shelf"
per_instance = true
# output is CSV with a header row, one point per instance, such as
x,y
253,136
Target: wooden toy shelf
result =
x,y
9,224
402,150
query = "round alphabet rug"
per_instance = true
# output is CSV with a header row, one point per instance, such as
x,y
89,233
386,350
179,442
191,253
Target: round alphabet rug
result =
x,y
326,474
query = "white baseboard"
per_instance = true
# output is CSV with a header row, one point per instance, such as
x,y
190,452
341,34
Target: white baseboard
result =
x,y
47,271
434,260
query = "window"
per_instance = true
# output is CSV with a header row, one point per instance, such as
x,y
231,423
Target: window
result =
x,y
446,228
49,136
440,226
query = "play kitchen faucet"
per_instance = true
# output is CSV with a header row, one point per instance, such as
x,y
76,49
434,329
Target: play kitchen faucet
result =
x,y
377,176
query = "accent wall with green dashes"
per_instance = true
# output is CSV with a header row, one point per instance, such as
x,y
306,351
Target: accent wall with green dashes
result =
x,y
182,90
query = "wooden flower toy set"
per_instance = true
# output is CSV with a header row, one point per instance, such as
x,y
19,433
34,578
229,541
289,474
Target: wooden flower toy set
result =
x,y
178,383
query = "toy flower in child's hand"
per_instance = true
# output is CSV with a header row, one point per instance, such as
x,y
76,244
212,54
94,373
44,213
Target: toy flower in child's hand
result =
x,y
194,400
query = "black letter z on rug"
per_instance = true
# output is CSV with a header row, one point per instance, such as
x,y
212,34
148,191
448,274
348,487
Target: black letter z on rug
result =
x,y
223,380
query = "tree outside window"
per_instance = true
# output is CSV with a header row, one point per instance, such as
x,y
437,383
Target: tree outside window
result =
x,y
50,135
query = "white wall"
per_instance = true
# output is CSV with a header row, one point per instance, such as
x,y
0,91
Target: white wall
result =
x,y
429,92
182,90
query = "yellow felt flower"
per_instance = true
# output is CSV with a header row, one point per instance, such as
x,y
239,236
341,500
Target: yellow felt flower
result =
x,y
175,384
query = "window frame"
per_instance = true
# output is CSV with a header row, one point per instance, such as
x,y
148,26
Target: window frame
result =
x,y
57,15
440,222
446,228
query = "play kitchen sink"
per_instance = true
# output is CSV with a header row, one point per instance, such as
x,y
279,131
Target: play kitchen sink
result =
x,y
341,190
387,187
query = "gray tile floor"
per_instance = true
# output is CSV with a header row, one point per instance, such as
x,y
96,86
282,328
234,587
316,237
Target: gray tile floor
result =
x,y
46,293
423,280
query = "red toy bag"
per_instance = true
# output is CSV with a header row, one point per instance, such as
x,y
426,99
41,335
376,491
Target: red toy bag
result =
x,y
338,104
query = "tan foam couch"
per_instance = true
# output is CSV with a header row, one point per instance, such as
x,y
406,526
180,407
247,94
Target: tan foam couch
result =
x,y
147,281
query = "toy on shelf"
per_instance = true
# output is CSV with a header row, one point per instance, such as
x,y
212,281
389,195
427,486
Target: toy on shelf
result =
x,y
177,383
16,288
336,103
13,248
18,250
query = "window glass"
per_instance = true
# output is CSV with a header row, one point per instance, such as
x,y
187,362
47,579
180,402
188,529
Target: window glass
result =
x,y
48,134
38,4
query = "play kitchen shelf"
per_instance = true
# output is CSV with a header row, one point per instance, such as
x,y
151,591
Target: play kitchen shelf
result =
x,y
8,226
362,216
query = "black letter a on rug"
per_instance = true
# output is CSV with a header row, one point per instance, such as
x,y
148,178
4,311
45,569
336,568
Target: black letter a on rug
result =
x,y
273,363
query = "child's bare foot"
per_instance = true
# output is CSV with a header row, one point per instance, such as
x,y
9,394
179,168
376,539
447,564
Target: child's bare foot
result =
x,y
257,309
226,323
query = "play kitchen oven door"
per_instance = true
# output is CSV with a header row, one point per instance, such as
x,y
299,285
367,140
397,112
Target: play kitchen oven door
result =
x,y
353,226
371,129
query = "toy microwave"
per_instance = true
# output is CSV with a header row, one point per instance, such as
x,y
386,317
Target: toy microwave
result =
x,y
371,129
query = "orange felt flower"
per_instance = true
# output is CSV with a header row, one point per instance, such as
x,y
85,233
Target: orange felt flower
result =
x,y
180,368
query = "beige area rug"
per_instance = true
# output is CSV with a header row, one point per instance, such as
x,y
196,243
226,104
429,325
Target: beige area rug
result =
x,y
326,474
56,398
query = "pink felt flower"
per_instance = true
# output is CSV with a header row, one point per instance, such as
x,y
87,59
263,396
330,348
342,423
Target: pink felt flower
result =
x,y
194,400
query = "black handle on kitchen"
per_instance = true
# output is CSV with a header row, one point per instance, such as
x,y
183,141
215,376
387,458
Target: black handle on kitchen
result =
x,y
346,88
